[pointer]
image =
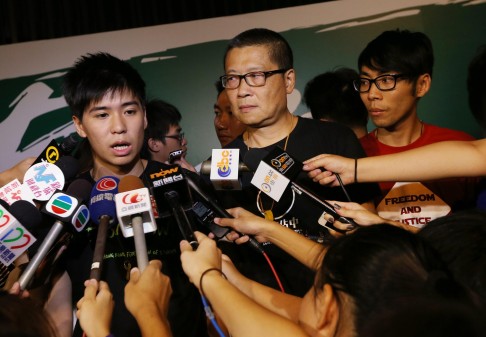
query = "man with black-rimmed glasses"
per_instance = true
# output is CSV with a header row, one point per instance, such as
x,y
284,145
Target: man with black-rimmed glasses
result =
x,y
395,73
258,75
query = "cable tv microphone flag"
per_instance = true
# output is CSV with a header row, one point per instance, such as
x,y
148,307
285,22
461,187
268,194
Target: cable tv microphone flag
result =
x,y
135,215
103,213
65,208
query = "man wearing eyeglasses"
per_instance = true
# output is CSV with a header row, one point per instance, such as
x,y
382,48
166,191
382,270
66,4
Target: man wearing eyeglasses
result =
x,y
395,73
164,140
259,74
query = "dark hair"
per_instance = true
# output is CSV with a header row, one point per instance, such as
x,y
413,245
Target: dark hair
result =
x,y
425,317
23,317
476,86
380,263
405,52
279,49
161,115
460,239
331,96
95,75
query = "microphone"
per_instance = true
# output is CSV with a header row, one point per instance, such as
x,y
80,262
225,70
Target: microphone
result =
x,y
173,197
54,151
15,238
102,208
180,216
206,167
41,180
277,170
207,215
223,169
135,214
65,208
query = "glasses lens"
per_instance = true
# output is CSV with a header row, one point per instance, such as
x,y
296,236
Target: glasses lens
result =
x,y
386,82
230,82
362,85
256,79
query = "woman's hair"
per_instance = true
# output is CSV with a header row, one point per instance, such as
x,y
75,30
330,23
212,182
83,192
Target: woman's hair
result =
x,y
378,264
22,317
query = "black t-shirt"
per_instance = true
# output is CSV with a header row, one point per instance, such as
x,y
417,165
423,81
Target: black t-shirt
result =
x,y
300,213
186,315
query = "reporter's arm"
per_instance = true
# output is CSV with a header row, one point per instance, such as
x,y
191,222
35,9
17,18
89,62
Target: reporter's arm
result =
x,y
304,250
16,172
434,161
250,319
147,297
95,309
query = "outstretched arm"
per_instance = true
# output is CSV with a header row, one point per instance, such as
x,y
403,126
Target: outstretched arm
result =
x,y
435,161
304,250
250,319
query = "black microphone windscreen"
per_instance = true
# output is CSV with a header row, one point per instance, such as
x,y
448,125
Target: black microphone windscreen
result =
x,y
79,188
69,166
70,143
26,213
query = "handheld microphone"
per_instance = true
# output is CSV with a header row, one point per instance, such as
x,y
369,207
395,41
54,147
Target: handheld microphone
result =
x,y
15,238
173,197
180,216
215,210
65,208
277,170
135,215
102,208
224,169
41,180
206,167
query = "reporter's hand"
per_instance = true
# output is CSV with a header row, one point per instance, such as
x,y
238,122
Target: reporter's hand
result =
x,y
148,291
95,309
355,211
195,262
246,223
321,169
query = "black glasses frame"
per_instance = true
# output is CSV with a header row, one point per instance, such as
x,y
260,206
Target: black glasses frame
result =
x,y
224,78
357,83
180,137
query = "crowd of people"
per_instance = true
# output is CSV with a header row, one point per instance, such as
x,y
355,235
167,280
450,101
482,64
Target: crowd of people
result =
x,y
410,259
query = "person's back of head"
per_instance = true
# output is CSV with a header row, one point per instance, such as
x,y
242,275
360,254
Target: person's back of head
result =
x,y
331,96
460,239
381,263
476,87
161,115
22,317
425,317
402,51
95,75
279,49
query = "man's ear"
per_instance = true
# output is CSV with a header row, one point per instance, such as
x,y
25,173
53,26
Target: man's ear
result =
x,y
289,80
423,85
79,127
327,307
153,145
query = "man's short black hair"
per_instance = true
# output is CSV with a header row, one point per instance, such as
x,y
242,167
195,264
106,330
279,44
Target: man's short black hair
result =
x,y
161,115
401,51
331,96
95,75
279,48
